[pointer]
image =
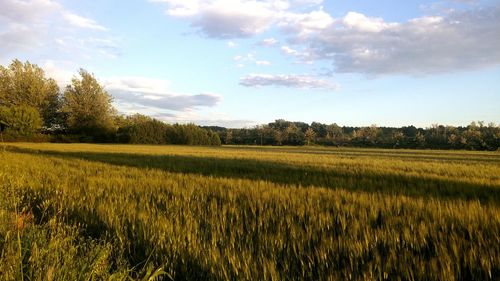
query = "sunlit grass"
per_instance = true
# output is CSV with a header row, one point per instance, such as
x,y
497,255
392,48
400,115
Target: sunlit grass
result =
x,y
248,213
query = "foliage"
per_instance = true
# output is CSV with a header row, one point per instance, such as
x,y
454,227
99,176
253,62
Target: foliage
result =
x,y
24,84
87,107
20,120
476,136
142,129
249,213
310,135
190,134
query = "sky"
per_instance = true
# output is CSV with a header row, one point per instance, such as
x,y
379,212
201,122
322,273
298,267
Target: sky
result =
x,y
239,63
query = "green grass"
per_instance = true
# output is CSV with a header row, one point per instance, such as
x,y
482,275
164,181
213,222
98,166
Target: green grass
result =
x,y
94,212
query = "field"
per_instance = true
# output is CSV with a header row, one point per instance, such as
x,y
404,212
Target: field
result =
x,y
120,212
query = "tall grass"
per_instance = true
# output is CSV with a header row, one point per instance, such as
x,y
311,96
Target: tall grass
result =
x,y
116,212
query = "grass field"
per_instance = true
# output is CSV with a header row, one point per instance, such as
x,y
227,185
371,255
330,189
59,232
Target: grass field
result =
x,y
99,212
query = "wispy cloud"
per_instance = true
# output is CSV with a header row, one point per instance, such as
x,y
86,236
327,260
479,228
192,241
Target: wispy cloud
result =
x,y
249,58
268,42
82,22
288,81
32,24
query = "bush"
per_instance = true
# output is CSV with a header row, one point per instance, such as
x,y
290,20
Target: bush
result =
x,y
142,130
20,120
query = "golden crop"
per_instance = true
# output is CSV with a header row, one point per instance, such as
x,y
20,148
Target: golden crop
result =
x,y
93,212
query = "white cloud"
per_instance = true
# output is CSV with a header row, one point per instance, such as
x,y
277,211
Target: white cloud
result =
x,y
303,56
288,81
305,23
137,94
226,123
363,23
231,44
226,18
155,93
17,38
208,117
431,44
455,40
27,11
82,22
39,11
235,18
289,51
59,71
138,84
32,24
87,47
269,42
263,63
241,60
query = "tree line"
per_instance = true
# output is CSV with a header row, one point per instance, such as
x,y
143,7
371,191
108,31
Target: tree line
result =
x,y
475,136
33,108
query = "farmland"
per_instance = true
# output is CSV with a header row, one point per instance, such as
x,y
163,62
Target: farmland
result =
x,y
93,212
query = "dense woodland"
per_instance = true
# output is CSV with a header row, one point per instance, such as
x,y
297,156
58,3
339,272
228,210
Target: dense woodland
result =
x,y
34,108
476,136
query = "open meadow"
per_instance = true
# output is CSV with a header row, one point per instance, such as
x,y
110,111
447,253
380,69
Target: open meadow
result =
x,y
121,212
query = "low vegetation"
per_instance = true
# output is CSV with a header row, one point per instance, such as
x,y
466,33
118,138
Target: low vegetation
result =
x,y
93,212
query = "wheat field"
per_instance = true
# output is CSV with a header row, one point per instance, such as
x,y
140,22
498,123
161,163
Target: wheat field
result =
x,y
123,212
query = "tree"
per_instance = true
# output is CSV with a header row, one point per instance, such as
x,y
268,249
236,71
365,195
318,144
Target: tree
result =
x,y
214,138
87,107
334,133
310,135
278,137
419,139
398,138
293,135
24,84
473,137
320,129
142,129
20,120
229,136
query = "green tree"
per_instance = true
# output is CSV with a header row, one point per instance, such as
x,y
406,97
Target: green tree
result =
x,y
87,107
20,120
319,129
214,138
142,129
25,84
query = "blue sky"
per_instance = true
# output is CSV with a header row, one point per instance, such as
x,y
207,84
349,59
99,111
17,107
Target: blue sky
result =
x,y
239,63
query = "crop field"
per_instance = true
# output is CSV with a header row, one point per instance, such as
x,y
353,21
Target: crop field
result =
x,y
124,212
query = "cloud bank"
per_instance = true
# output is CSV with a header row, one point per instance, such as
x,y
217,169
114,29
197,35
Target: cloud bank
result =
x,y
148,92
457,40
